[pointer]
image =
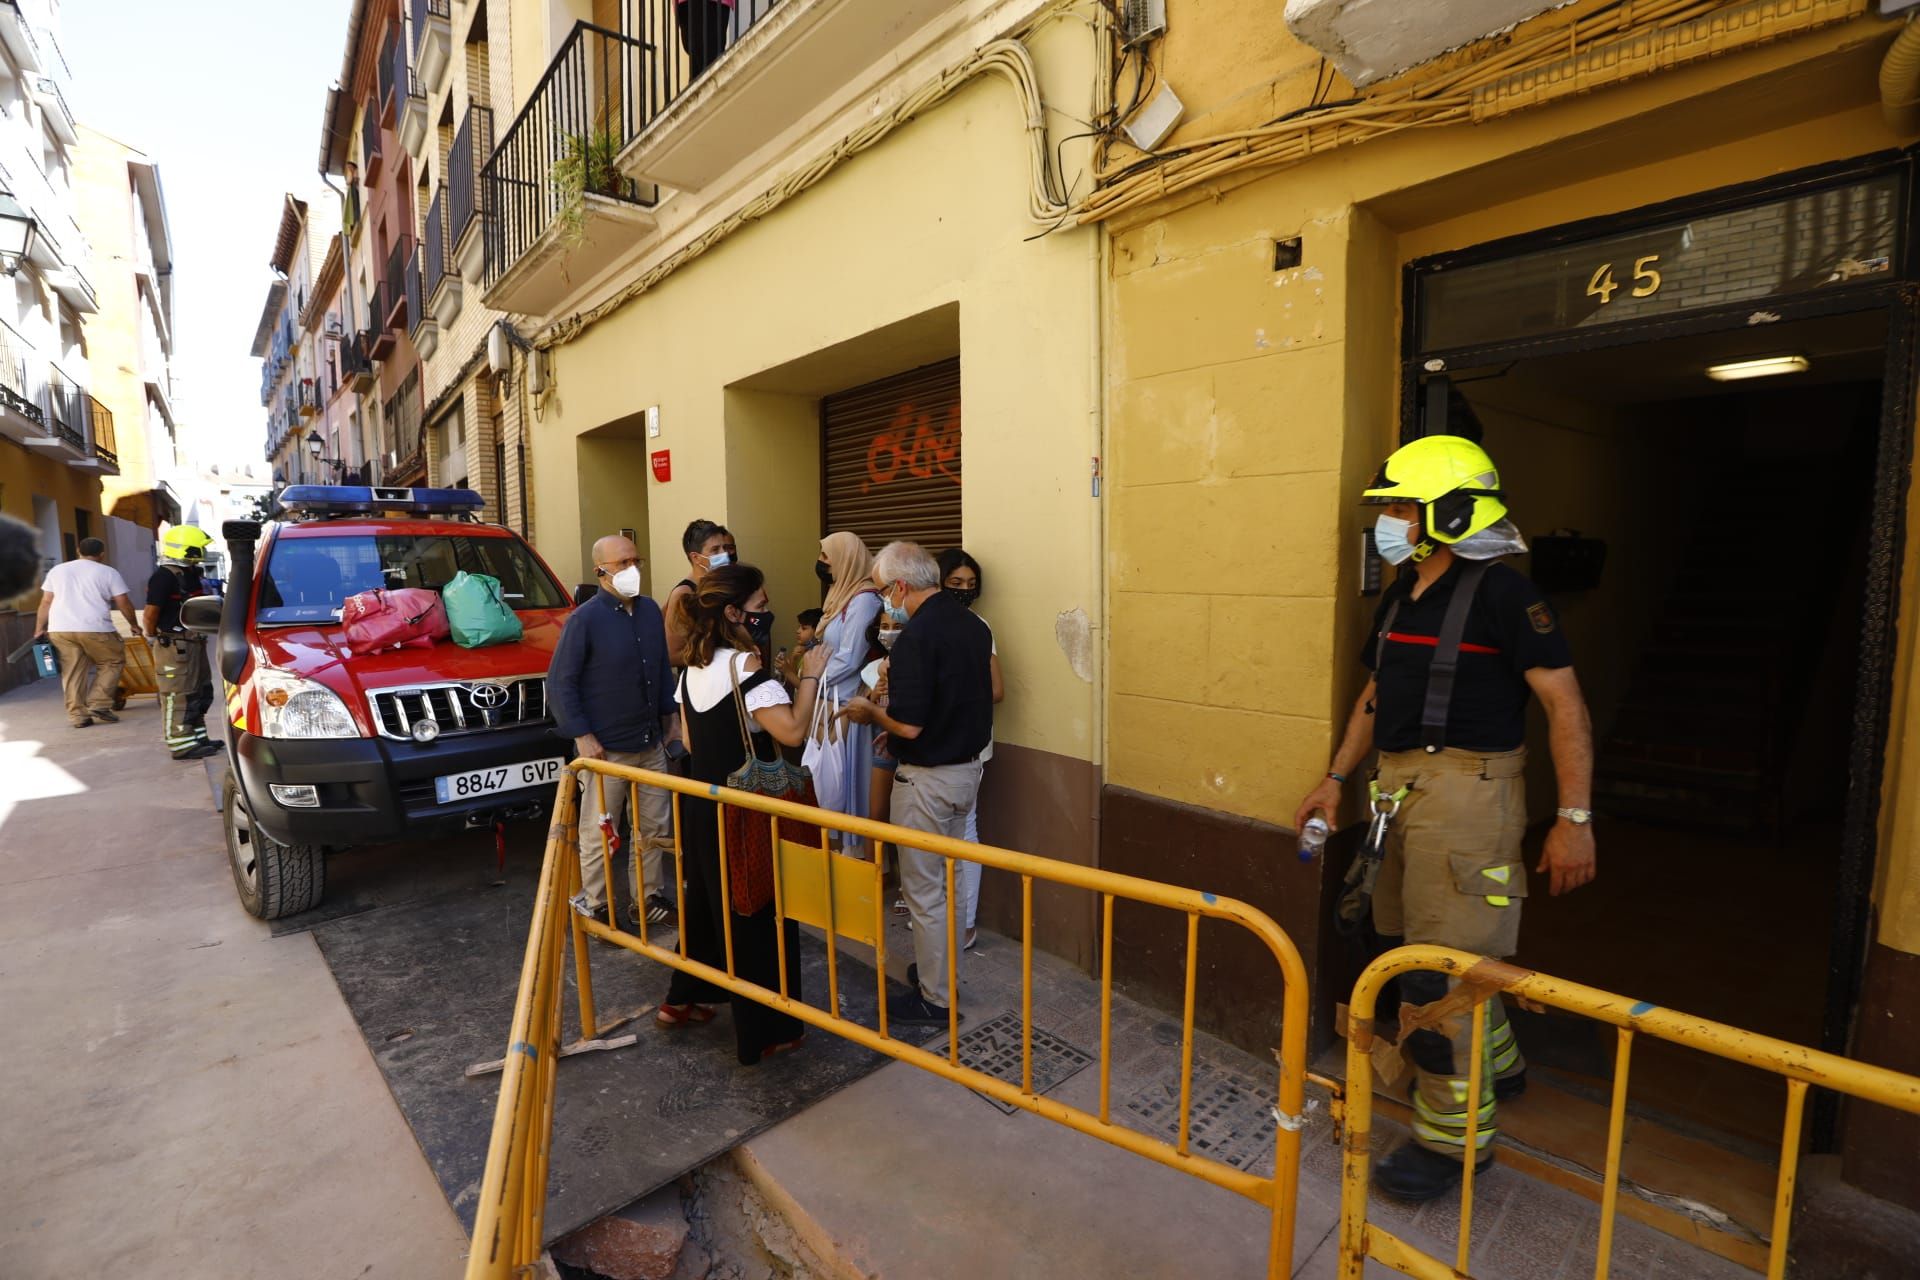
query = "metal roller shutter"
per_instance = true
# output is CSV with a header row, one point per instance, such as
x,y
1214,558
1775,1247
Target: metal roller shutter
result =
x,y
893,458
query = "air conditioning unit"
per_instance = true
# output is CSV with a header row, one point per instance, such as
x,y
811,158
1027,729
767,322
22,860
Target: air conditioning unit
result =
x,y
1142,20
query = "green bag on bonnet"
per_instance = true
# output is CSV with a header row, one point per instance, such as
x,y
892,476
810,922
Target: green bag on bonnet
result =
x,y
477,613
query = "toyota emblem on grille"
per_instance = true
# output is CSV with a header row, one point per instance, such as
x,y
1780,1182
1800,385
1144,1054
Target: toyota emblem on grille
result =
x,y
488,697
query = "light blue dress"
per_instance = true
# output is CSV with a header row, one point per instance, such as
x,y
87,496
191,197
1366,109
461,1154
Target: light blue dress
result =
x,y
845,635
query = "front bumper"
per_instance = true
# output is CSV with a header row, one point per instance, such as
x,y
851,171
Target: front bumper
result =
x,y
379,789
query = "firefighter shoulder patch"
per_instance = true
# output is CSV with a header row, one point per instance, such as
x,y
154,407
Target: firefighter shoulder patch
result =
x,y
1541,617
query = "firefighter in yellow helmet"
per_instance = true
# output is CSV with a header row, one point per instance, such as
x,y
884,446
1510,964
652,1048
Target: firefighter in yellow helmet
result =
x,y
1458,645
180,656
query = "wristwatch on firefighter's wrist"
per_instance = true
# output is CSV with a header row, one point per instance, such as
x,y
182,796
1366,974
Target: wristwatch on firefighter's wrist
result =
x,y
1578,817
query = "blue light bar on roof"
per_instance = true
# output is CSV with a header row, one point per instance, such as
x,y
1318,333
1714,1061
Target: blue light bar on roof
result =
x,y
360,499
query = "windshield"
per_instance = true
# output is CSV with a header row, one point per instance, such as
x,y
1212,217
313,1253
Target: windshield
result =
x,y
308,579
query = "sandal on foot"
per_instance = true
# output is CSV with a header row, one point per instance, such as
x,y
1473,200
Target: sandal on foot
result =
x,y
787,1046
679,1015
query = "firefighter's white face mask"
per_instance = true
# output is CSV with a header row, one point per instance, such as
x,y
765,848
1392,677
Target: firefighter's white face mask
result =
x,y
1392,538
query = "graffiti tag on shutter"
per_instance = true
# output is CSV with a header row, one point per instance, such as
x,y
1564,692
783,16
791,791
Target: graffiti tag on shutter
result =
x,y
916,445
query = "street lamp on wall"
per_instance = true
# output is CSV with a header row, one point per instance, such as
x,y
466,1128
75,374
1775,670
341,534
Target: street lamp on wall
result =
x,y
317,450
16,233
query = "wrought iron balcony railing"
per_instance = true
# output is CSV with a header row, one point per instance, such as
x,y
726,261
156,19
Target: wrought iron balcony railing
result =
x,y
564,145
436,241
106,446
399,70
389,52
370,140
395,284
472,144
423,10
684,45
416,300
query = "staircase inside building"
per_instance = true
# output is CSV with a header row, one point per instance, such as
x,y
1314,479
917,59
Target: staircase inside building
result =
x,y
1704,734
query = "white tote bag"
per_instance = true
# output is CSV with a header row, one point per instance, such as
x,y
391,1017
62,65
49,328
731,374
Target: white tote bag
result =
x,y
826,755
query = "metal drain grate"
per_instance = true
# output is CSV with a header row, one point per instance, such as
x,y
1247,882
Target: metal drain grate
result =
x,y
994,1047
1232,1116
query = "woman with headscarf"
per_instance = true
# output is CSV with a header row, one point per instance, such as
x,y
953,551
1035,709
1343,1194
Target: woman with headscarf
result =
x,y
851,607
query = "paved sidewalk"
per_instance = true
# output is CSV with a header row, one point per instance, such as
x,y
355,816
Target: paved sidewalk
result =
x,y
184,1095
914,1178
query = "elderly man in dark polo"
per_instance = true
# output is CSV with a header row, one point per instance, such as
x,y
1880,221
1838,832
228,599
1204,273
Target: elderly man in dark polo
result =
x,y
612,694
939,718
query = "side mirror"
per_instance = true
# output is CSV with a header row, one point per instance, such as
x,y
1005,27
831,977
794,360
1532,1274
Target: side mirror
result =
x,y
201,614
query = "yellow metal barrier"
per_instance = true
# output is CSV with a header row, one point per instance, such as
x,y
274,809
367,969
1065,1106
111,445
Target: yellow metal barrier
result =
x,y
1479,978
843,896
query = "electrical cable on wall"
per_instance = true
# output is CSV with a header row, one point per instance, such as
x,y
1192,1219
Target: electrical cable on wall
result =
x,y
1480,82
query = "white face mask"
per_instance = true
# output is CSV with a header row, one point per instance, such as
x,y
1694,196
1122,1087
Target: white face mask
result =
x,y
627,581
1390,539
719,560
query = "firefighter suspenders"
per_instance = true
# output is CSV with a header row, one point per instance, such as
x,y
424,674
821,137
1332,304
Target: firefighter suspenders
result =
x,y
1356,902
1446,653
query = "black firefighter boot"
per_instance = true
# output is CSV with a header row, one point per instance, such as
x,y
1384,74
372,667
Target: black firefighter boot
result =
x,y
1414,1173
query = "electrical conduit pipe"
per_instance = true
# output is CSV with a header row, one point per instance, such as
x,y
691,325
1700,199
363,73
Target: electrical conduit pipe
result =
x,y
1900,82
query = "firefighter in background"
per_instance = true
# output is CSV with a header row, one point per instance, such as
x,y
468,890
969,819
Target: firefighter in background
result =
x,y
180,656
1458,645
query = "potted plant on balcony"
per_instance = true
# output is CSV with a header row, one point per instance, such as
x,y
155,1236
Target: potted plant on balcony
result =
x,y
587,166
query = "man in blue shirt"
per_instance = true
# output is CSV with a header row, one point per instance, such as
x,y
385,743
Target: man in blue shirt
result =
x,y
612,693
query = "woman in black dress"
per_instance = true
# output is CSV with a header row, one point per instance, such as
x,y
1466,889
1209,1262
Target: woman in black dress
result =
x,y
719,617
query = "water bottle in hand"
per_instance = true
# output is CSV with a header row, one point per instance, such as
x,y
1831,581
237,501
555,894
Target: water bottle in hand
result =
x,y
1313,838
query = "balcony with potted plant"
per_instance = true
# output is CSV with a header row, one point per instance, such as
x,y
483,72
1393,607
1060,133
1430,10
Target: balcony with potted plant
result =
x,y
560,210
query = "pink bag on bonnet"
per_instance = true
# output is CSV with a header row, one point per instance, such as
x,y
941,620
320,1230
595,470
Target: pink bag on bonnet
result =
x,y
379,620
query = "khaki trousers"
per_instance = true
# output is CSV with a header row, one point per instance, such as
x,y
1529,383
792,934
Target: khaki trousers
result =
x,y
90,663
931,798
1452,876
652,829
186,690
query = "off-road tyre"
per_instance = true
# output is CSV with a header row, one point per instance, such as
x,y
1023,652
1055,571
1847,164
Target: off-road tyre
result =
x,y
273,879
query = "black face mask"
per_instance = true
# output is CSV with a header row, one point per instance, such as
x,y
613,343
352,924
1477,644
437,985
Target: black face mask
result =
x,y
965,595
759,626
822,571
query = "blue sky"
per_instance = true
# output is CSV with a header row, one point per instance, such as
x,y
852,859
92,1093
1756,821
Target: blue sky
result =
x,y
227,97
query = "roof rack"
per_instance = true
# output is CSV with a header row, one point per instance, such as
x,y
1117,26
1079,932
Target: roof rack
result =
x,y
333,501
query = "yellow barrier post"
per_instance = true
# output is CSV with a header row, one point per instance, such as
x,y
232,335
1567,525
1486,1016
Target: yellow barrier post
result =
x,y
509,1219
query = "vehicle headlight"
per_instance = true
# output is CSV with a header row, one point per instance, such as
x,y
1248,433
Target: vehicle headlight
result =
x,y
294,707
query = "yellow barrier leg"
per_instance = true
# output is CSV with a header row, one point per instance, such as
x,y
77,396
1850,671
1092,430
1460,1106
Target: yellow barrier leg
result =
x,y
1106,1005
606,849
1186,1032
582,962
1470,1153
833,930
1026,984
639,876
1616,1142
1789,1174
953,971
780,910
1354,1150
880,929
680,876
726,880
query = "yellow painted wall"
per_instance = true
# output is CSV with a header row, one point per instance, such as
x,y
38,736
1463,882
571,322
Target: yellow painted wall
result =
x,y
104,208
933,217
26,472
1248,405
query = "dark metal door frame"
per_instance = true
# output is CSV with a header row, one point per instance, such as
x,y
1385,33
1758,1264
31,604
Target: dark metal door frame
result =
x,y
1899,301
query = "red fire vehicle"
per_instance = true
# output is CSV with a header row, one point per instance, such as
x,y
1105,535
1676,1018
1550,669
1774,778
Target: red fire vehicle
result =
x,y
330,748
